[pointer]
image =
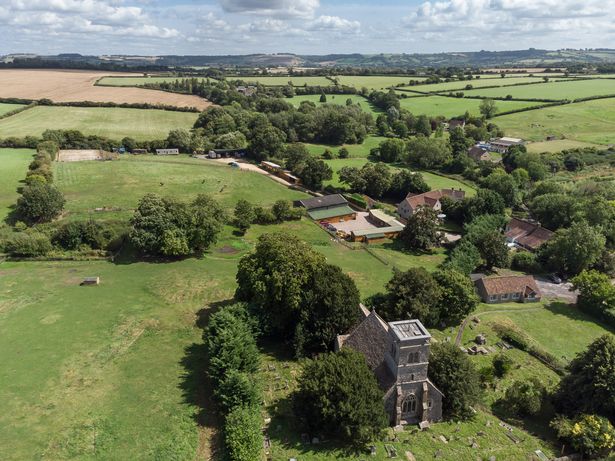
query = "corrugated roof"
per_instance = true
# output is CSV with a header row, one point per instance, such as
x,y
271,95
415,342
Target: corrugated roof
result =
x,y
318,214
324,201
377,230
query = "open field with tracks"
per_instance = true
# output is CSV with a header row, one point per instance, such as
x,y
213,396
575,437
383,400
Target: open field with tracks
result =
x,y
112,122
73,86
475,83
590,121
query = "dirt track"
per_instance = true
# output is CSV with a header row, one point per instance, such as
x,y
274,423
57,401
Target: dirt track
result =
x,y
73,86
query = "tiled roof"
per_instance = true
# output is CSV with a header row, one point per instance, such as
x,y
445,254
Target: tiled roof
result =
x,y
508,284
527,234
430,198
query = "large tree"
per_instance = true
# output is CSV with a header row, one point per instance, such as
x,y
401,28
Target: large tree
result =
x,y
488,108
454,374
457,295
392,150
338,396
39,203
590,385
428,152
244,215
421,231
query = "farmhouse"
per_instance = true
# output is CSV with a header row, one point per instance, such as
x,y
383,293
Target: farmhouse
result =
x,y
526,234
456,123
519,288
479,154
398,354
502,145
429,199
332,208
167,151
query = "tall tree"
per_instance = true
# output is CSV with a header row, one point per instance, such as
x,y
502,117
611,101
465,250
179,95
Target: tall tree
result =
x,y
488,108
421,231
39,203
244,215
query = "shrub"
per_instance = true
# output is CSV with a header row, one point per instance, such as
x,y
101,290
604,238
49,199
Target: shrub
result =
x,y
501,365
263,215
40,203
590,434
525,261
343,153
28,244
242,434
525,398
236,389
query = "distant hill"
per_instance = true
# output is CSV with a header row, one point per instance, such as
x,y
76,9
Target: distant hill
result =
x,y
518,58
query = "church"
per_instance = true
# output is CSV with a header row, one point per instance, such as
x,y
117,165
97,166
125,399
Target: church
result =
x,y
398,354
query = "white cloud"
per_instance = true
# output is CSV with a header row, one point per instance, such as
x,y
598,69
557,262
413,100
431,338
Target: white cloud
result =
x,y
334,23
272,8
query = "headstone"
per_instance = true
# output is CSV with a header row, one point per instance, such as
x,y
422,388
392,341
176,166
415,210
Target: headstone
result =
x,y
424,425
410,456
475,446
488,423
480,433
443,439
491,458
438,454
372,450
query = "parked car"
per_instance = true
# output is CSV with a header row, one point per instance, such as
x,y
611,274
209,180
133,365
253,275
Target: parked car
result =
x,y
555,279
234,164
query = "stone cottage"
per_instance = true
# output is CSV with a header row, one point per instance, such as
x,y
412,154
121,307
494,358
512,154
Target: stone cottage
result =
x,y
398,354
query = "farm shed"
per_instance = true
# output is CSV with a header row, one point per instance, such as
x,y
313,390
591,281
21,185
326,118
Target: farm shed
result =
x,y
501,145
167,151
333,208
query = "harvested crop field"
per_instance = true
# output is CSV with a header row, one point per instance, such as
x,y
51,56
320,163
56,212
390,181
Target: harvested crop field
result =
x,y
74,86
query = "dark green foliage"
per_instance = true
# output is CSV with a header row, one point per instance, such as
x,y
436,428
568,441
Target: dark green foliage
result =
x,y
72,235
454,374
244,215
28,244
428,152
596,294
421,231
488,108
338,396
505,185
457,296
484,202
464,258
501,365
373,179
525,398
180,139
392,150
555,210
39,203
237,389
266,142
525,261
404,182
282,211
592,435
230,345
458,141
590,385
485,233
343,153
166,227
242,434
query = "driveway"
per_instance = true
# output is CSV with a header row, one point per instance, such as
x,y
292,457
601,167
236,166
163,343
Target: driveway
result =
x,y
555,291
243,165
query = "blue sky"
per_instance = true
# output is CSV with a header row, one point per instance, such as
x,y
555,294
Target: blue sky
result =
x,y
301,26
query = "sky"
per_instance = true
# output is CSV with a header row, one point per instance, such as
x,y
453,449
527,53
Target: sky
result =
x,y
216,27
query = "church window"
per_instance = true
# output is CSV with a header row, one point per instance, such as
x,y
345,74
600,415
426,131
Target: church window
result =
x,y
409,404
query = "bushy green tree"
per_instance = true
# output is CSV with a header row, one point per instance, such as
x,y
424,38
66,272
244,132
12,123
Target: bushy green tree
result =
x,y
502,364
454,374
404,182
596,294
39,203
392,150
421,231
28,244
338,395
457,296
458,141
236,389
592,435
242,434
180,139
244,215
464,258
488,108
428,152
525,398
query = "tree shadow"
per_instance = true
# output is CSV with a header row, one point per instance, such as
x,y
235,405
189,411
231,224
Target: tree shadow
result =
x,y
536,425
196,386
574,313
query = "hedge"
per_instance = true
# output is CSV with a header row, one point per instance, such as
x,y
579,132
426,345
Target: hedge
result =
x,y
242,434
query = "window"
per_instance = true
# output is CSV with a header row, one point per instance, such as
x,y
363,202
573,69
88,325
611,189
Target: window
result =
x,y
409,404
505,296
515,295
412,377
413,357
429,403
493,297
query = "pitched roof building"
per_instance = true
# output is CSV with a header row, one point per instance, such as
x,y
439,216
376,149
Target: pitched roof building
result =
x,y
519,288
479,154
398,354
526,234
430,199
502,145
334,208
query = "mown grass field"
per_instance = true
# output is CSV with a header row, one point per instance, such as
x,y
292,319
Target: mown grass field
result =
x,y
133,81
452,107
557,145
554,90
339,99
354,150
282,80
376,82
590,122
13,170
6,108
476,83
112,122
120,184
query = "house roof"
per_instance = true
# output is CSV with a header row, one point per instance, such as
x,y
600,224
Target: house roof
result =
x,y
508,284
477,152
376,232
324,213
431,198
270,164
382,216
507,141
324,201
527,234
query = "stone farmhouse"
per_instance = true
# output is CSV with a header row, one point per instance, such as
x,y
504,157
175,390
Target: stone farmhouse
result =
x,y
398,353
429,199
527,235
513,288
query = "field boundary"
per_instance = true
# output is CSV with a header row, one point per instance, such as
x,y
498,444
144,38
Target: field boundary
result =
x,y
18,110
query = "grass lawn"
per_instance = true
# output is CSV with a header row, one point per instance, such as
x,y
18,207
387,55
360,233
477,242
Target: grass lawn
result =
x,y
112,122
354,150
452,107
134,81
376,82
282,80
588,122
557,145
339,99
6,108
120,184
14,168
557,90
476,83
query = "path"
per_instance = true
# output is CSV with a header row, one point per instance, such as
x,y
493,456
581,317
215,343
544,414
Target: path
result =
x,y
243,165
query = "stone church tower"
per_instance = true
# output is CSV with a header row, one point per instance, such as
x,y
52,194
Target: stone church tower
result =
x,y
398,353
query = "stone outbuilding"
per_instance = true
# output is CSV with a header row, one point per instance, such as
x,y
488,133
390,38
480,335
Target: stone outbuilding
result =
x,y
398,354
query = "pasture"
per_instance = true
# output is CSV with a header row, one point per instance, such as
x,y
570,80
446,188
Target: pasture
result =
x,y
111,122
6,108
118,185
283,80
13,170
475,83
570,89
557,145
452,107
588,122
376,82
354,150
73,86
339,99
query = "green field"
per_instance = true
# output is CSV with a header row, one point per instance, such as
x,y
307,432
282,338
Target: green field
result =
x,y
476,83
134,81
556,91
557,145
6,108
112,122
375,82
13,170
589,122
354,150
339,99
120,184
282,80
452,107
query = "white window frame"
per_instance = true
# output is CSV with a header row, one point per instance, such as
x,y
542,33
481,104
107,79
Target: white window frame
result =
x,y
504,296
